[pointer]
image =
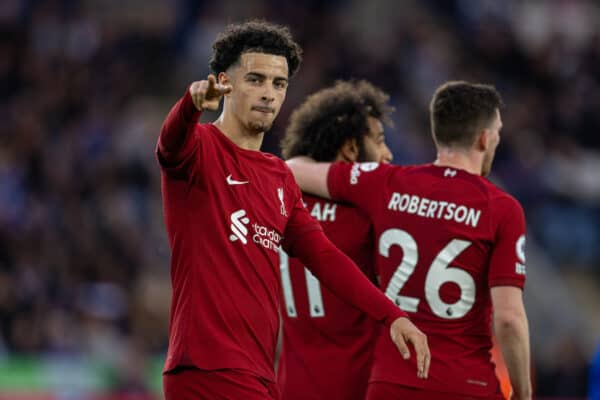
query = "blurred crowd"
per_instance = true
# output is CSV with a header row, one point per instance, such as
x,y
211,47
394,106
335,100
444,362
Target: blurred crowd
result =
x,y
84,260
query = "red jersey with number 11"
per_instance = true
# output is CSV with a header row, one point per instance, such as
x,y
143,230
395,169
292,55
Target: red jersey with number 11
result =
x,y
327,343
444,238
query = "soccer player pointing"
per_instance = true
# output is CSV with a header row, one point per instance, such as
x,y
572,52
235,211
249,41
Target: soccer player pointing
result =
x,y
228,209
450,251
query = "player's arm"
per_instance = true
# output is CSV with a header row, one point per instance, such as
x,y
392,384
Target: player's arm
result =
x,y
310,175
512,333
174,135
304,239
354,183
340,275
506,279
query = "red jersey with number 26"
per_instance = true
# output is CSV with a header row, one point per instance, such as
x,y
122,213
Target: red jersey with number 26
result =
x,y
327,343
444,238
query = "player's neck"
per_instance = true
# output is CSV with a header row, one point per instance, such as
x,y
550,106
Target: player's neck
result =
x,y
459,159
238,133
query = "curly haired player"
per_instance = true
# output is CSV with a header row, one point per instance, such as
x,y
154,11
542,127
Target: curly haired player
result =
x,y
451,249
228,209
327,343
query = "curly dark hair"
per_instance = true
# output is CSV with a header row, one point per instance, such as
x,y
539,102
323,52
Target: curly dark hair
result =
x,y
459,109
254,36
328,118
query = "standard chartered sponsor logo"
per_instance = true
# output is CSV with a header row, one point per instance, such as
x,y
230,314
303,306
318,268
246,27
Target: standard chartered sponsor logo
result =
x,y
267,238
427,208
238,226
261,235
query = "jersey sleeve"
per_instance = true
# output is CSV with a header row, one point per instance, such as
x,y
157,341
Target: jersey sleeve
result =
x,y
300,221
178,141
304,239
507,262
356,183
340,275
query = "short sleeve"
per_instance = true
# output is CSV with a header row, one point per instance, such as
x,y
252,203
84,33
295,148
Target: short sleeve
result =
x,y
507,262
300,221
358,183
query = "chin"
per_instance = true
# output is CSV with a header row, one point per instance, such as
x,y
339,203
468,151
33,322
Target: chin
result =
x,y
259,126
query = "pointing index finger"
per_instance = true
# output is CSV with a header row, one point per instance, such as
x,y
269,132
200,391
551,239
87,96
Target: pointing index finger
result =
x,y
211,82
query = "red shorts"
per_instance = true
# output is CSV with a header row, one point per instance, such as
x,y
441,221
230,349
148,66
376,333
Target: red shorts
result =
x,y
390,391
228,384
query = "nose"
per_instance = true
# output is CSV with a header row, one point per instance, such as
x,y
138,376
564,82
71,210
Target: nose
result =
x,y
268,94
387,154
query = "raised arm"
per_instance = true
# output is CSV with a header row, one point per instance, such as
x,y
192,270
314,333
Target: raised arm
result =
x,y
512,333
310,175
201,95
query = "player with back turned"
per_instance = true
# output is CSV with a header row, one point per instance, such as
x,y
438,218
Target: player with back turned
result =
x,y
450,251
327,343
228,208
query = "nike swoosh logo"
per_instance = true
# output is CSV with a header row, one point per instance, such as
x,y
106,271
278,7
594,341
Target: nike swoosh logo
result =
x,y
232,181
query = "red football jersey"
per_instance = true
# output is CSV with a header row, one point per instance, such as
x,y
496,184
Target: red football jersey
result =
x,y
444,237
327,343
226,212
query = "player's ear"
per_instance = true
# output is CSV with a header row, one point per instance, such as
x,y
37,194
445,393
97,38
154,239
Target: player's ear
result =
x,y
483,140
349,150
224,79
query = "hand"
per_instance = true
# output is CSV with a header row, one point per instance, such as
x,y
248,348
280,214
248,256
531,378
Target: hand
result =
x,y
403,331
207,94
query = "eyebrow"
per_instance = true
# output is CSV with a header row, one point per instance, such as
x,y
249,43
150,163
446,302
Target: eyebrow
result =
x,y
263,76
255,74
376,135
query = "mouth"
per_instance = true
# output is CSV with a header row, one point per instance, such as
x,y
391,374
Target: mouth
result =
x,y
265,110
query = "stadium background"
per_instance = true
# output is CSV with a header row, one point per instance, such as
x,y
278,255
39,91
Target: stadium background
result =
x,y
84,279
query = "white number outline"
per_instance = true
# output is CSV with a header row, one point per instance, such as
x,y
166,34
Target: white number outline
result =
x,y
313,287
405,270
439,273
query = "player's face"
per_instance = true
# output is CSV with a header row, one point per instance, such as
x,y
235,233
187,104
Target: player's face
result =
x,y
493,140
374,147
259,88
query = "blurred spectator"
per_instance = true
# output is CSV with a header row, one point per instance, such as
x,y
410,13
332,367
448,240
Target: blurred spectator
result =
x,y
566,375
83,253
